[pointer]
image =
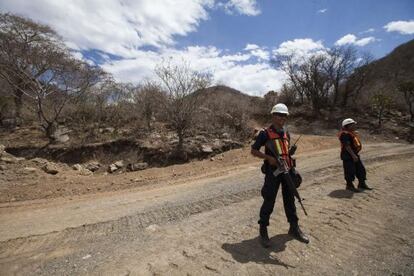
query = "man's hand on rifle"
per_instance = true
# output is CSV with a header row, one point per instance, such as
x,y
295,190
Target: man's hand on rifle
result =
x,y
272,161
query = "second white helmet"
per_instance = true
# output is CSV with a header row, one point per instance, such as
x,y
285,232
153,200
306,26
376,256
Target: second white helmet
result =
x,y
348,121
280,108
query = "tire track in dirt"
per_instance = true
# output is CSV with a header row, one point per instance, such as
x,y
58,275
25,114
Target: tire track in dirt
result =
x,y
361,222
349,237
128,225
342,222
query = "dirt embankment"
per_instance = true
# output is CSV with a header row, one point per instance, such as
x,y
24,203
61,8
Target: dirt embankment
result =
x,y
25,180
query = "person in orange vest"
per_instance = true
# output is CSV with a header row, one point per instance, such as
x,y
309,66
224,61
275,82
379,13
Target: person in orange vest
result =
x,y
281,138
350,148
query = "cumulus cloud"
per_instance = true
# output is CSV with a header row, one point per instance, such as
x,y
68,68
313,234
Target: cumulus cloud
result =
x,y
246,7
251,47
117,34
116,27
229,69
353,40
322,10
255,50
300,47
403,27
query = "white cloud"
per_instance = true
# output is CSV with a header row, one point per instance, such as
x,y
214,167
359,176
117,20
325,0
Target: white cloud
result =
x,y
231,70
353,40
300,47
257,51
322,10
115,27
370,30
347,39
246,7
364,41
251,47
403,27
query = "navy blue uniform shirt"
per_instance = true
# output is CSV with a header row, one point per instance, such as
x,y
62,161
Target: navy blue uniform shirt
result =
x,y
346,139
262,138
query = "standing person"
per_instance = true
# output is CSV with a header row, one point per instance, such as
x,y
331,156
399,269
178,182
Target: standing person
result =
x,y
271,185
350,148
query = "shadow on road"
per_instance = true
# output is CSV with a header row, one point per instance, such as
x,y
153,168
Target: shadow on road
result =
x,y
341,194
252,251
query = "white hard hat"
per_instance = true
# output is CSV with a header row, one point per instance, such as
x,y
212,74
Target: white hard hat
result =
x,y
280,108
348,121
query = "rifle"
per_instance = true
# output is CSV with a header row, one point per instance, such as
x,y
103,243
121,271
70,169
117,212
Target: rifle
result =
x,y
282,169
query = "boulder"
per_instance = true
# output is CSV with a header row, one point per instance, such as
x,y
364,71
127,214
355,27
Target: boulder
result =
x,y
93,166
206,149
39,161
137,166
77,167
85,172
30,169
200,138
8,159
3,168
112,168
50,168
119,164
107,130
61,135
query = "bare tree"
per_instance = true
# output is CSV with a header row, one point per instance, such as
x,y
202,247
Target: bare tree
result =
x,y
37,65
308,77
180,82
339,65
321,77
288,95
149,98
380,102
407,88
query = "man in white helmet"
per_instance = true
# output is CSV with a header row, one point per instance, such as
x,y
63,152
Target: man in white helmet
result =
x,y
281,138
350,148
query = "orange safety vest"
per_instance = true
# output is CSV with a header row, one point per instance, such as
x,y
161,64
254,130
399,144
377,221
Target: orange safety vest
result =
x,y
281,145
356,142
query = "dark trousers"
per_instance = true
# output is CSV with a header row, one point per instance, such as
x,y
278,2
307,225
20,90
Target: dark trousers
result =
x,y
269,192
352,169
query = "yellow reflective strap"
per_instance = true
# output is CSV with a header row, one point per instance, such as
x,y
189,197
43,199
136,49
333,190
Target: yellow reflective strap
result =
x,y
279,149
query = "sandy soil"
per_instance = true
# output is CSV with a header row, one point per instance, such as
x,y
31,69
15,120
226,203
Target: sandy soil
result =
x,y
201,219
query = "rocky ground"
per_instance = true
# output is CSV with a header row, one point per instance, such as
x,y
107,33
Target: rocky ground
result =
x,y
28,179
200,218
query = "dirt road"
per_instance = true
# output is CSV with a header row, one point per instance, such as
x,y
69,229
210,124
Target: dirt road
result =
x,y
209,226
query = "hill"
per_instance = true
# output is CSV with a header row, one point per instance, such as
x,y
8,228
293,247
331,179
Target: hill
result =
x,y
387,72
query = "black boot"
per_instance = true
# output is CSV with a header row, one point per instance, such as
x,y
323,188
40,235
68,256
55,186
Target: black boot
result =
x,y
350,187
363,186
264,237
295,231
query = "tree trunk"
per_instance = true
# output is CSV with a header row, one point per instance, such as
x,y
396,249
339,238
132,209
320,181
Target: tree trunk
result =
x,y
180,146
18,103
50,131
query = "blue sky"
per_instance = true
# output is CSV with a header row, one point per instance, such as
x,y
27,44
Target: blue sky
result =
x,y
280,21
233,39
